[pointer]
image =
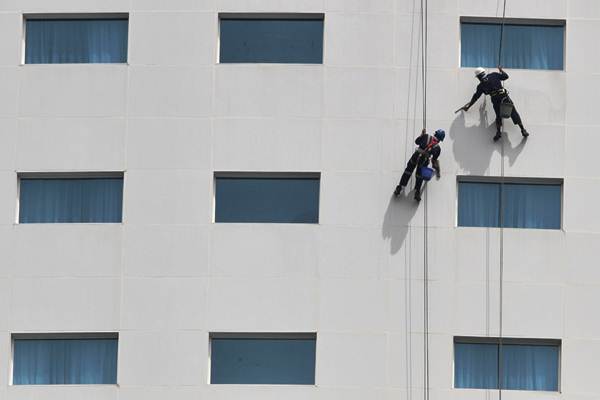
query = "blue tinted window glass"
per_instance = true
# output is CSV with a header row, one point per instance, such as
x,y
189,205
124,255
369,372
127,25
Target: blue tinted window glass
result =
x,y
65,362
71,200
283,200
532,206
263,361
476,366
525,46
271,41
478,204
58,41
529,367
525,367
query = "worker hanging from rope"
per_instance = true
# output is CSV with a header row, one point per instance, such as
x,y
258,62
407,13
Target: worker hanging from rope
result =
x,y
491,84
428,149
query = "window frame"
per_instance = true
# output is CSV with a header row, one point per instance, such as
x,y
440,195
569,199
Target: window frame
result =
x,y
267,15
515,21
60,336
510,180
508,341
264,175
67,175
259,335
53,16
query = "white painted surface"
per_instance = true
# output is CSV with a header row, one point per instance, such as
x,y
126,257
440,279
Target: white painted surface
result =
x,y
167,276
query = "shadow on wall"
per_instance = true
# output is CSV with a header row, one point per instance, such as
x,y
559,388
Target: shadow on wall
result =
x,y
398,215
473,146
473,149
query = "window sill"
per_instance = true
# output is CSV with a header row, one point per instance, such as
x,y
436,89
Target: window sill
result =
x,y
76,385
508,69
541,392
73,64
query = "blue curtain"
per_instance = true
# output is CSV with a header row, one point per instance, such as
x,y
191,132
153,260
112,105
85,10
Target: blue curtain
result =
x,y
525,46
530,367
274,200
263,361
71,200
475,366
271,41
525,367
532,206
57,41
478,204
65,362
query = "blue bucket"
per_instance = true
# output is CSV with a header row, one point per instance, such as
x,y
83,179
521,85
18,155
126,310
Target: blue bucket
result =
x,y
426,173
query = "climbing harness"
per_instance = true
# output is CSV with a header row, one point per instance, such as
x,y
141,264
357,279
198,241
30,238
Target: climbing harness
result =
x,y
424,171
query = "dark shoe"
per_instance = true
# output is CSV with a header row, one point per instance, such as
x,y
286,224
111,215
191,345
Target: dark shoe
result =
x,y
417,195
397,191
497,137
524,133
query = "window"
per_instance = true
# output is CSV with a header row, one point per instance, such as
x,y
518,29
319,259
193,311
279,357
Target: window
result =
x,y
525,203
527,45
271,38
83,39
279,198
61,359
526,364
272,359
54,199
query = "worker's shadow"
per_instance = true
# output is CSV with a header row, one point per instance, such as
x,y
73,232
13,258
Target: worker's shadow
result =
x,y
473,146
398,216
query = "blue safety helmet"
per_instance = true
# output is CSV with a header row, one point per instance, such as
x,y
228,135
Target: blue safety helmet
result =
x,y
440,134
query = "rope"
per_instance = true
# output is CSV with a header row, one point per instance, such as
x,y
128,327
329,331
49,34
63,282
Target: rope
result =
x,y
424,35
502,34
501,275
501,286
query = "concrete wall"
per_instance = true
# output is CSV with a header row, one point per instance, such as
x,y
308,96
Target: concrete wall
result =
x,y
167,276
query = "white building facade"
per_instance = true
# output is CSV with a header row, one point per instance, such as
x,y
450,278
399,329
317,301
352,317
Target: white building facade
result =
x,y
172,118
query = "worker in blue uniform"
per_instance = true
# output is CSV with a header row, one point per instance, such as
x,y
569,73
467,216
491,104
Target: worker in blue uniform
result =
x,y
428,149
491,84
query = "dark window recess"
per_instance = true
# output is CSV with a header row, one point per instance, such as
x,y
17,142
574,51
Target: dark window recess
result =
x,y
525,366
524,46
64,361
271,41
275,200
536,206
91,200
278,361
64,41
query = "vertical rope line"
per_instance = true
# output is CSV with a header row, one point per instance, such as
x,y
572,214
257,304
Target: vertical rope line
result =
x,y
424,34
502,34
501,277
501,287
